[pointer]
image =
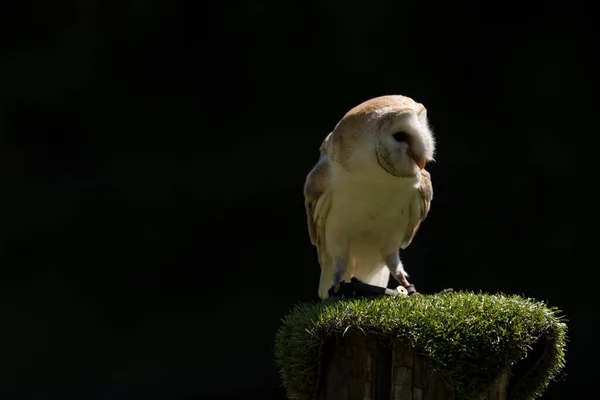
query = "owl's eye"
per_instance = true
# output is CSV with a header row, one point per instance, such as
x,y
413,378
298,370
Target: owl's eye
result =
x,y
400,137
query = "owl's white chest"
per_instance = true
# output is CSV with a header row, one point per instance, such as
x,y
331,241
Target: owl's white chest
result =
x,y
368,218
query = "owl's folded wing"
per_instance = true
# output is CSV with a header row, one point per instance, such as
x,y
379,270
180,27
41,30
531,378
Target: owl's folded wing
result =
x,y
316,201
419,208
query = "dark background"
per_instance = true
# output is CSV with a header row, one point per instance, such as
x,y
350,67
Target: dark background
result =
x,y
152,159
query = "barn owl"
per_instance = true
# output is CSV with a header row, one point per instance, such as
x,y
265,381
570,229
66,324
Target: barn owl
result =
x,y
369,192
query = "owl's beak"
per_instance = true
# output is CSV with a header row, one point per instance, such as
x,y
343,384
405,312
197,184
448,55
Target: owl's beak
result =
x,y
420,161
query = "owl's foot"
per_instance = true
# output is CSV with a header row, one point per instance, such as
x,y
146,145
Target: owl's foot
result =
x,y
356,288
335,291
410,289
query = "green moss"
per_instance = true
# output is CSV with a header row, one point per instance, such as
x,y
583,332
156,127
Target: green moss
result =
x,y
468,338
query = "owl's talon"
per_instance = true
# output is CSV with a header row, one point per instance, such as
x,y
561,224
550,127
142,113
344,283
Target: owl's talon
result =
x,y
335,289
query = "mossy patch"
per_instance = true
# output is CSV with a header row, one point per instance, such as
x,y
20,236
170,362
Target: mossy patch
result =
x,y
469,339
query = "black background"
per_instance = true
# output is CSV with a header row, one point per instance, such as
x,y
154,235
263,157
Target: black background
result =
x,y
153,154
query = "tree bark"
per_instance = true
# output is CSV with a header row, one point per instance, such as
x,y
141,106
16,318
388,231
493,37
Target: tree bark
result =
x,y
361,367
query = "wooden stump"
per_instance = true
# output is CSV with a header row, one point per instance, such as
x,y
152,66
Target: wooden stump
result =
x,y
360,367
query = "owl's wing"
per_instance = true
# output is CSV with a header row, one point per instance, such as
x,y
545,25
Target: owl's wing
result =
x,y
316,201
419,208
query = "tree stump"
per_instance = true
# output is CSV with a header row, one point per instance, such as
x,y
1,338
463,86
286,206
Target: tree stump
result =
x,y
360,367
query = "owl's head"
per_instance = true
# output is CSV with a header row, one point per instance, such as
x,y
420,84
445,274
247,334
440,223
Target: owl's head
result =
x,y
389,133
